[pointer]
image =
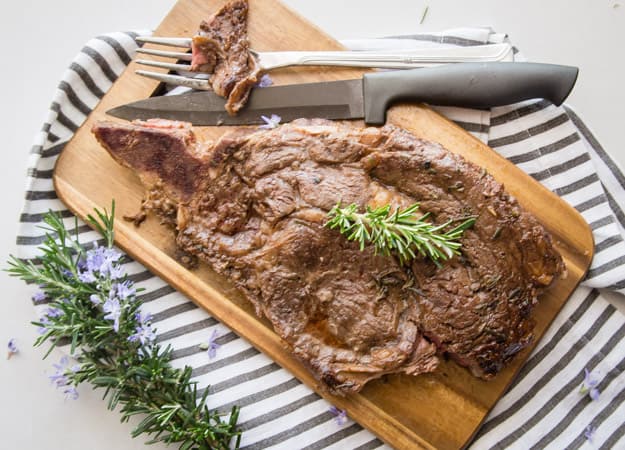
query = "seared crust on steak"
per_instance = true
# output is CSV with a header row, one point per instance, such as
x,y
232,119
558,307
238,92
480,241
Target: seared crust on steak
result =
x,y
255,207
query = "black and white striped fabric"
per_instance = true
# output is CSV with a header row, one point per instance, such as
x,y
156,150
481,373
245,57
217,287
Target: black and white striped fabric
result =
x,y
543,409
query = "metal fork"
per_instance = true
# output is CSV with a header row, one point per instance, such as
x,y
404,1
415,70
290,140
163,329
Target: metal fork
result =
x,y
267,61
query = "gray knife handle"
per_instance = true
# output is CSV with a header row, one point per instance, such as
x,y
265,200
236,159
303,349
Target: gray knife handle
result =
x,y
471,85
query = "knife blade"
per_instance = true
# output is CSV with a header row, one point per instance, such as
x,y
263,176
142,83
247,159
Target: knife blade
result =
x,y
471,85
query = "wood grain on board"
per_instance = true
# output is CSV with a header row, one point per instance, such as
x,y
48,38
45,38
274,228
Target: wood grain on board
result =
x,y
439,410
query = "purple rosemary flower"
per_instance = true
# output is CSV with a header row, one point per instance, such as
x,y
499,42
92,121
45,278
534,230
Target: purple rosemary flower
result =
x,y
144,332
125,290
211,345
112,255
143,318
60,377
264,81
102,260
113,310
87,277
67,273
12,347
270,122
116,272
43,321
95,299
53,312
39,297
589,385
94,259
70,392
340,415
589,433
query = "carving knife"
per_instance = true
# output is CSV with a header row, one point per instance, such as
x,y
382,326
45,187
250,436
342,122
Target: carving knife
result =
x,y
472,85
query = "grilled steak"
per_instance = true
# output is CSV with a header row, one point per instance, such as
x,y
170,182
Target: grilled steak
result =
x,y
254,204
221,48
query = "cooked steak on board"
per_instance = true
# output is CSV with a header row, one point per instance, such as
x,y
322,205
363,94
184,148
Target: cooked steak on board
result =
x,y
254,204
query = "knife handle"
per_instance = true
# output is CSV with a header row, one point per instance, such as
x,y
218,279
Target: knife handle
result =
x,y
470,85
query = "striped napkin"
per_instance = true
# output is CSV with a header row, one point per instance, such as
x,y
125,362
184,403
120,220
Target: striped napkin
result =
x,y
543,408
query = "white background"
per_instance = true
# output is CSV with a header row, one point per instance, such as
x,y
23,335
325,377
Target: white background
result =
x,y
39,40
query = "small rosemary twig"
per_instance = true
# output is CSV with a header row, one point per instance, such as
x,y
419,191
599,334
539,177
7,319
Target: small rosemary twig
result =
x,y
399,232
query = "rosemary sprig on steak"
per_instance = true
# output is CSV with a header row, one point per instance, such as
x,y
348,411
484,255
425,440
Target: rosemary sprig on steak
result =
x,y
399,232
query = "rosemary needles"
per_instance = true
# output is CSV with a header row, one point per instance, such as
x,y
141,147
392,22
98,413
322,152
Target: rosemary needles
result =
x,y
92,304
399,232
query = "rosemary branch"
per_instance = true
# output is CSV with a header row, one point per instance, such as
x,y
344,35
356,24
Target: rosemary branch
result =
x,y
399,232
92,304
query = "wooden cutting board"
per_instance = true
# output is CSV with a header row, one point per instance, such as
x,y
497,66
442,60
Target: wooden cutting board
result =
x,y
439,410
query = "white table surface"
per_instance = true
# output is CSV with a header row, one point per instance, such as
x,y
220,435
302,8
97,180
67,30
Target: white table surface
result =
x,y
39,40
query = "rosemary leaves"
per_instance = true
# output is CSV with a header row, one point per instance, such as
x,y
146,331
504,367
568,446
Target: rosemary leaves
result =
x,y
92,304
399,232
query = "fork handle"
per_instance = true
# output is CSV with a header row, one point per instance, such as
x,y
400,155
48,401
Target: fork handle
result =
x,y
402,59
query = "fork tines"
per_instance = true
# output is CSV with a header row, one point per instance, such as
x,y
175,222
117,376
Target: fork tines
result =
x,y
178,55
172,42
179,80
